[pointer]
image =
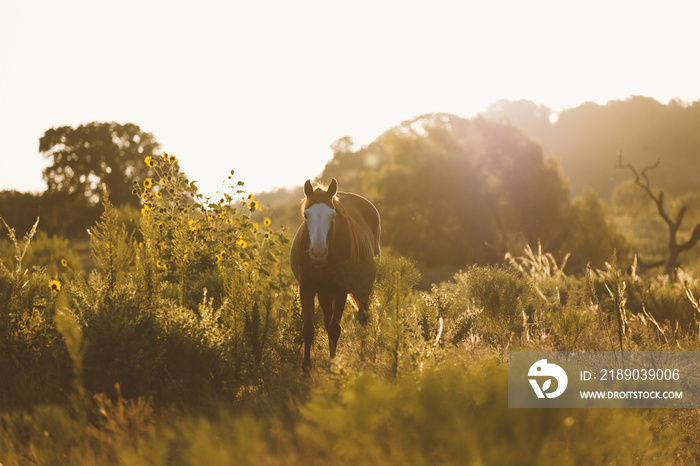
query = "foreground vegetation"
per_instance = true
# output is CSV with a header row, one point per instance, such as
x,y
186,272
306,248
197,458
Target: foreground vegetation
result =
x,y
183,346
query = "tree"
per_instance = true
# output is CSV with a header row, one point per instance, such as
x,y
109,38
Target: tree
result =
x,y
592,236
455,191
96,154
675,247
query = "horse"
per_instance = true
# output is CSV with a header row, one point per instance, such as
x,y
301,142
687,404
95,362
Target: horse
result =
x,y
333,256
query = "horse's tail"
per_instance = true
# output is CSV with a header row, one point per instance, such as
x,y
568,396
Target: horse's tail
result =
x,y
361,308
354,302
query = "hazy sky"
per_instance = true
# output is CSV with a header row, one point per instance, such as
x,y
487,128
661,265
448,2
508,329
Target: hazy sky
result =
x,y
265,87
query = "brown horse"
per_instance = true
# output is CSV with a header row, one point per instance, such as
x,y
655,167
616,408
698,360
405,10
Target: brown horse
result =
x,y
332,256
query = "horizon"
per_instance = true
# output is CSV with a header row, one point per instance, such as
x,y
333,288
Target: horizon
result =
x,y
265,91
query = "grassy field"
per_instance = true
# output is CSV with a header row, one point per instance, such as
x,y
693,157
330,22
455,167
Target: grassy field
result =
x,y
183,346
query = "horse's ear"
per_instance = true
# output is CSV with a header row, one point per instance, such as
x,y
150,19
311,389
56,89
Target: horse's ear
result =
x,y
308,189
333,187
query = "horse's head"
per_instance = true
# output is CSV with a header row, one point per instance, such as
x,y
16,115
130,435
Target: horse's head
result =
x,y
319,212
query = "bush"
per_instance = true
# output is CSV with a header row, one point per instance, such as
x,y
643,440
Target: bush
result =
x,y
503,296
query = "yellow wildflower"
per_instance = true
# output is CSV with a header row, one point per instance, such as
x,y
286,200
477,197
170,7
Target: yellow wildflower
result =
x,y
147,183
55,286
256,226
245,265
64,263
267,222
149,161
253,206
242,243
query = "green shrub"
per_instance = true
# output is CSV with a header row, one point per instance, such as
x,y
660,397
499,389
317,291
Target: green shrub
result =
x,y
503,295
458,414
569,323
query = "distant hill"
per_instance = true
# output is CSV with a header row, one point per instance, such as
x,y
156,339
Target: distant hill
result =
x,y
587,139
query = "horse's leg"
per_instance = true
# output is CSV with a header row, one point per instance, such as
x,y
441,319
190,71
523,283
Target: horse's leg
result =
x,y
307,311
326,301
333,305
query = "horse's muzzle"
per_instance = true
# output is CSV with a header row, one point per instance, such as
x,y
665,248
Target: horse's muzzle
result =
x,y
318,256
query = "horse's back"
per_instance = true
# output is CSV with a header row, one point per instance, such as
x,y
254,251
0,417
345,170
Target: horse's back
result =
x,y
364,212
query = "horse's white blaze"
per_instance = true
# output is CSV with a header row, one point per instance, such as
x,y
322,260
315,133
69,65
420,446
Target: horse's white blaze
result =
x,y
318,221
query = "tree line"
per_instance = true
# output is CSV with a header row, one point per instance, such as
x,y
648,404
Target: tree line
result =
x,y
452,191
586,140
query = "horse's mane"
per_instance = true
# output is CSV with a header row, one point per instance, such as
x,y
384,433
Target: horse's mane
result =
x,y
359,236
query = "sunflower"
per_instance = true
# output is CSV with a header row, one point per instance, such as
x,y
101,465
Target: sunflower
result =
x,y
64,263
55,286
149,161
267,222
253,206
146,208
242,243
147,183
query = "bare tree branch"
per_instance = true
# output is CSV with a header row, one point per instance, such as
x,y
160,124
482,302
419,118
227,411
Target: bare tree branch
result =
x,y
673,226
694,238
